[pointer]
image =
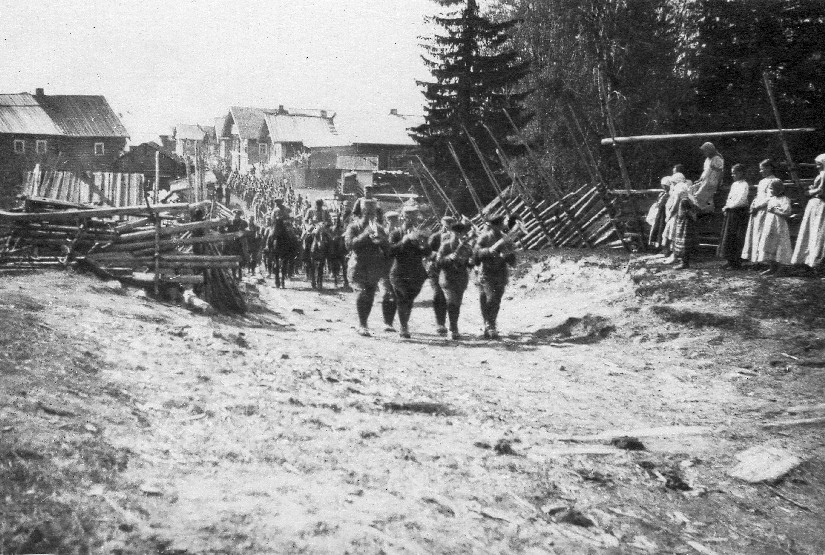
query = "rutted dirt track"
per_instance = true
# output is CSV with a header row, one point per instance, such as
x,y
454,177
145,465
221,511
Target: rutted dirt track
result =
x,y
129,425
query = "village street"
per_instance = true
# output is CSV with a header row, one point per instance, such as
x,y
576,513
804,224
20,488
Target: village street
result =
x,y
136,425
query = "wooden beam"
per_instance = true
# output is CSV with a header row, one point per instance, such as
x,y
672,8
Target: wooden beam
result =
x,y
708,135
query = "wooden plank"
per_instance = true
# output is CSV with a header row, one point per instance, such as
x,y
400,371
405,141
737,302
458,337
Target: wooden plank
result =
x,y
659,431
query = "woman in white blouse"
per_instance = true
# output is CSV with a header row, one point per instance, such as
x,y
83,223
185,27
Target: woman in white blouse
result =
x,y
750,251
810,242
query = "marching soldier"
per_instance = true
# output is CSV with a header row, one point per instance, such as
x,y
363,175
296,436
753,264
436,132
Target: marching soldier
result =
x,y
493,252
388,305
453,259
439,300
367,241
407,249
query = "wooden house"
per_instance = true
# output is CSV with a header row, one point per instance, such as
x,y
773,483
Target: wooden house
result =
x,y
141,159
69,132
190,139
387,137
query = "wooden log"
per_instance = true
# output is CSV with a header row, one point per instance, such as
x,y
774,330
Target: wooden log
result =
x,y
76,215
176,241
710,134
172,230
129,226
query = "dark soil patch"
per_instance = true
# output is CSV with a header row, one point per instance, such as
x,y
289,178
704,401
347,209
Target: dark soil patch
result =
x,y
698,319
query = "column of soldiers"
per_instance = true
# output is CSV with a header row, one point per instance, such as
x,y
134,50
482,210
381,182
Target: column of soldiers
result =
x,y
397,257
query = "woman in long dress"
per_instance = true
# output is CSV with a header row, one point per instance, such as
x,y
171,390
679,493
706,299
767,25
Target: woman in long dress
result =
x,y
757,220
775,242
810,243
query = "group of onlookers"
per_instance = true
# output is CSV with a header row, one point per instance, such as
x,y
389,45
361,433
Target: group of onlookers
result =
x,y
754,230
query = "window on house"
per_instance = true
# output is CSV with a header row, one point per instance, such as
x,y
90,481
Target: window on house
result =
x,y
19,146
100,150
40,147
262,149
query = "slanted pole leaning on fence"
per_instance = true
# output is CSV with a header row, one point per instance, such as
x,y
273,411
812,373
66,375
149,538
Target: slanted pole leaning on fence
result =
x,y
549,181
439,189
611,125
525,195
473,193
595,173
486,167
788,159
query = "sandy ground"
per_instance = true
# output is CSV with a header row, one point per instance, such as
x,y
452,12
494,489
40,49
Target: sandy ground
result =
x,y
130,426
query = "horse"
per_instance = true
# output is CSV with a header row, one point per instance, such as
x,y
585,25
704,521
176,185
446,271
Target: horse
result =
x,y
280,249
337,257
317,245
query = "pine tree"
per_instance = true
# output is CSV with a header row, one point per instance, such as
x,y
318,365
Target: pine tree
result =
x,y
476,77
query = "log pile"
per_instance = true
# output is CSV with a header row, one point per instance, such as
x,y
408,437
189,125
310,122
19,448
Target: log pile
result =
x,y
161,247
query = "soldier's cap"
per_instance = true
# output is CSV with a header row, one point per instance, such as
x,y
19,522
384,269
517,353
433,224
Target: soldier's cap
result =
x,y
409,209
447,220
391,214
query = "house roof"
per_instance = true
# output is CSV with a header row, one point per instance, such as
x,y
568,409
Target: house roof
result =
x,y
21,114
82,115
250,121
220,126
312,128
388,129
189,132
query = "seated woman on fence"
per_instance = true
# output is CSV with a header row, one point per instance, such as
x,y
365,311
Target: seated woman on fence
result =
x,y
810,242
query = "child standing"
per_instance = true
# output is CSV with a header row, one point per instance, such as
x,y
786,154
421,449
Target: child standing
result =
x,y
757,217
775,243
736,220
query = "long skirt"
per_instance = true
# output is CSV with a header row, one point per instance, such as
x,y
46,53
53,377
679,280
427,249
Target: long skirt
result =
x,y
684,231
810,243
733,234
658,228
750,250
775,242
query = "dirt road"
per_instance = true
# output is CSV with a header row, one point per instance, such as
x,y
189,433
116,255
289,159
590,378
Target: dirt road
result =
x,y
130,426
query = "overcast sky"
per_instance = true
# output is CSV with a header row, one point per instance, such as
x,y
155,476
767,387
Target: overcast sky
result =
x,y
162,62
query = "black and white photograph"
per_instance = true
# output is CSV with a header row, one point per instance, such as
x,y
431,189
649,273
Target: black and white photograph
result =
x,y
412,277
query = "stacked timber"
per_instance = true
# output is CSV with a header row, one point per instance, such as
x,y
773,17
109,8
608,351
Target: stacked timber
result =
x,y
160,247
580,218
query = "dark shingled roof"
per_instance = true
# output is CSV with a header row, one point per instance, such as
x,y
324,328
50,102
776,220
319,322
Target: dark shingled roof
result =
x,y
82,115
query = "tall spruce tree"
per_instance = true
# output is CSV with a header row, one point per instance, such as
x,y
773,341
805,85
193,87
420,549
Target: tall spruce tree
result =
x,y
476,76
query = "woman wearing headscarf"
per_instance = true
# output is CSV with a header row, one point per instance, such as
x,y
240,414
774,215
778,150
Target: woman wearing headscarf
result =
x,y
367,242
810,242
757,218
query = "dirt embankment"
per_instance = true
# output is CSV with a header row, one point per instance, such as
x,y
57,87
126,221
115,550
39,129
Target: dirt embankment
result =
x,y
130,426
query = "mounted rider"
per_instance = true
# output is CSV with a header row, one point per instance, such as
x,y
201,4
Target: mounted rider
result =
x,y
317,216
280,212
